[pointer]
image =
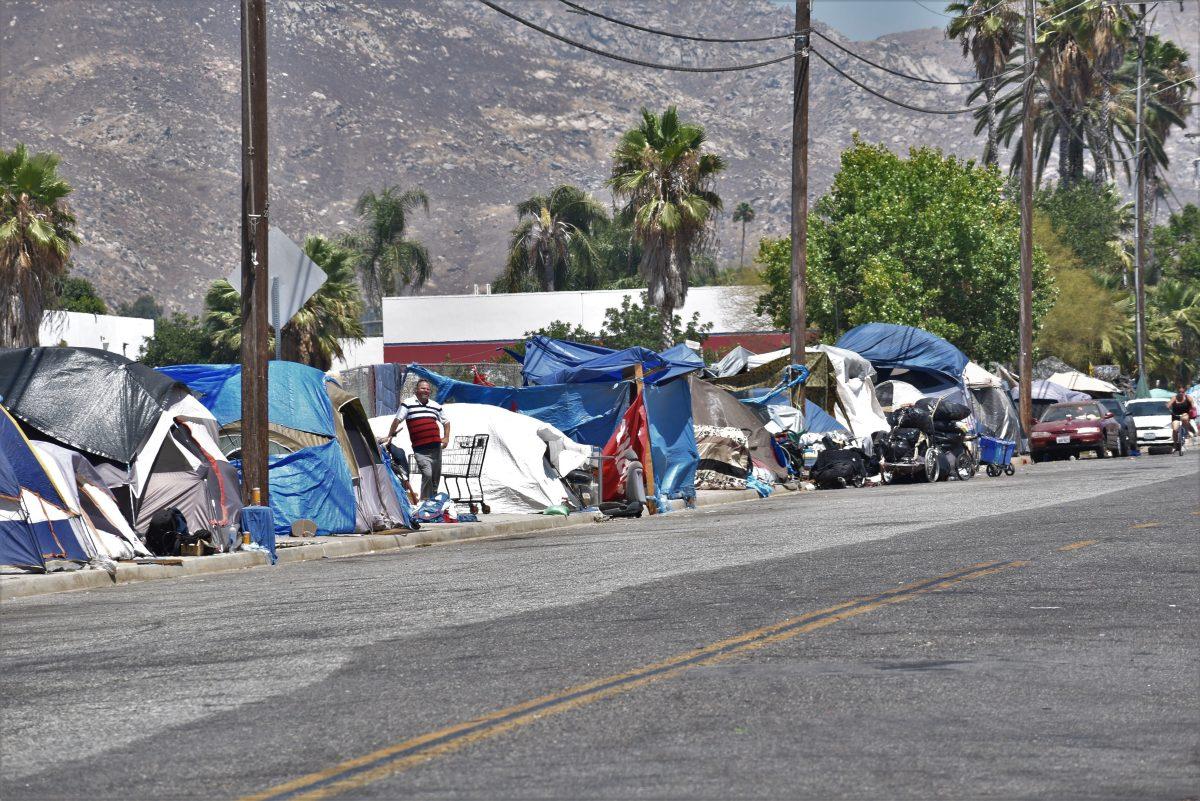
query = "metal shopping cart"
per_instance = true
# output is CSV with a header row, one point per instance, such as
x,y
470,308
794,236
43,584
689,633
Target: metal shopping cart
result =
x,y
462,468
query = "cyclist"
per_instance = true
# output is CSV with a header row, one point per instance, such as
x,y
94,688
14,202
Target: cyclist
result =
x,y
1180,407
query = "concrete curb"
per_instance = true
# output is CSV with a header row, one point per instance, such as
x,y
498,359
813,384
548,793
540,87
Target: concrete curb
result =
x,y
24,586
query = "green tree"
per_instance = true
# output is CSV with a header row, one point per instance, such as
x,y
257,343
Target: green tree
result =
x,y
144,306
77,294
1177,246
665,179
1088,218
37,232
744,213
641,325
551,247
180,339
927,240
387,259
313,335
988,33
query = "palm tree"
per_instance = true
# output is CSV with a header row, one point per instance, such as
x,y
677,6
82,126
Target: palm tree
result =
x,y
665,178
744,213
313,335
387,260
551,247
37,230
988,32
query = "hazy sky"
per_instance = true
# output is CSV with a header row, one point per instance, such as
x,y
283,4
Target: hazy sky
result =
x,y
868,19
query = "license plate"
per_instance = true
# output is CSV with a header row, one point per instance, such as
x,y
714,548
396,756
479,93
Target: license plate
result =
x,y
1150,436
1063,440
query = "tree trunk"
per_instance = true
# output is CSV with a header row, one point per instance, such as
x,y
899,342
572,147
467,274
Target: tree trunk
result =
x,y
667,316
990,156
547,270
1064,155
1104,136
742,257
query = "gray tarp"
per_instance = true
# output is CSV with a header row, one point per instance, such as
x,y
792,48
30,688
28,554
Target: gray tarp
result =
x,y
88,399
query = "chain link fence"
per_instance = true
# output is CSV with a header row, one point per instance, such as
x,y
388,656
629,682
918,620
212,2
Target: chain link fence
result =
x,y
381,387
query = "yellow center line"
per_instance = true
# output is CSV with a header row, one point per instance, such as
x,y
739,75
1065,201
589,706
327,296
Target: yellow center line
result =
x,y
393,759
1151,524
1074,545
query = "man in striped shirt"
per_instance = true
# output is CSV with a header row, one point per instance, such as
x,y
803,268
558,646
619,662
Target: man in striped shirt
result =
x,y
429,433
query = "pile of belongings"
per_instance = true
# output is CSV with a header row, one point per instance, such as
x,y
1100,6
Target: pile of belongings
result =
x,y
939,420
724,457
839,465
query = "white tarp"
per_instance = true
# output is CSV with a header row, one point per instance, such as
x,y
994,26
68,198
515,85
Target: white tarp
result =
x,y
863,416
894,394
975,376
516,478
1082,383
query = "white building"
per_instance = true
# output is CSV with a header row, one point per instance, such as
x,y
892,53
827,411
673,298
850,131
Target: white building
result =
x,y
431,329
124,335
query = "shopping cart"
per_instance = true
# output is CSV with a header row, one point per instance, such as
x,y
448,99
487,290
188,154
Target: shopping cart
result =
x,y
996,454
462,468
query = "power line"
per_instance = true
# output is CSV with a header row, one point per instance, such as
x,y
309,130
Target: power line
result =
x,y
673,34
866,60
636,62
900,103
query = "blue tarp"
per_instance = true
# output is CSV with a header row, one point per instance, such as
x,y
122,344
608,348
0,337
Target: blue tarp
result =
x,y
819,421
892,348
558,361
672,438
587,413
296,395
312,483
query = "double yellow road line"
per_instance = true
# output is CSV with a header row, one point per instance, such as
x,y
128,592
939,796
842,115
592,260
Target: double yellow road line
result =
x,y
396,758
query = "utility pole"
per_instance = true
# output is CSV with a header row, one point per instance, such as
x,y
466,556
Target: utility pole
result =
x,y
1025,367
255,283
1139,210
800,190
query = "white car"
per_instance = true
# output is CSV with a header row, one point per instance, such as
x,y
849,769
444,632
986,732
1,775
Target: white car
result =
x,y
1153,420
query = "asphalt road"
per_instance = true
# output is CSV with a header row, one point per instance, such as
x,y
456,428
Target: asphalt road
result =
x,y
1027,637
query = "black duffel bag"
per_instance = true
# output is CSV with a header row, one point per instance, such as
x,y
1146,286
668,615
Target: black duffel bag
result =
x,y
839,467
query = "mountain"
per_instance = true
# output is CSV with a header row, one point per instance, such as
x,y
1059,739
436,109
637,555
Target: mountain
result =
x,y
141,99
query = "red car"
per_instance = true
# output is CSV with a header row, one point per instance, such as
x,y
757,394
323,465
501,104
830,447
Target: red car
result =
x,y
1069,429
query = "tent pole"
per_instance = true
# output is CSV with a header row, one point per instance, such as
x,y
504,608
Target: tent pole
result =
x,y
648,468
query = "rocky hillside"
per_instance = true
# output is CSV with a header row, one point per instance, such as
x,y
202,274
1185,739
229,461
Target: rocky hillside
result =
x,y
142,100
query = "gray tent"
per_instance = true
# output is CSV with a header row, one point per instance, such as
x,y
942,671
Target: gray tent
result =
x,y
376,505
716,407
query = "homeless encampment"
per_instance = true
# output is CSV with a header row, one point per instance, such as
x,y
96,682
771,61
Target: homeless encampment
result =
x,y
1046,393
308,470
151,443
378,504
594,389
522,469
994,409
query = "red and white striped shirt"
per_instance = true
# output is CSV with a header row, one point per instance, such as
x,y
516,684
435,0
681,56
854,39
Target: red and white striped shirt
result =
x,y
424,421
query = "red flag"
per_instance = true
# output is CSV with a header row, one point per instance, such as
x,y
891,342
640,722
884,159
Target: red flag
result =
x,y
479,378
632,433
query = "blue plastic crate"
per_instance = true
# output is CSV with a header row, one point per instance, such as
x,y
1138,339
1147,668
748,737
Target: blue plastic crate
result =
x,y
995,451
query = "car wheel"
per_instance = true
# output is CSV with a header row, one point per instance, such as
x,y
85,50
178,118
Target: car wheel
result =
x,y
1102,452
1123,449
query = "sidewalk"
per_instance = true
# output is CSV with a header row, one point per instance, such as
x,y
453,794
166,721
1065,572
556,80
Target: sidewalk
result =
x,y
303,550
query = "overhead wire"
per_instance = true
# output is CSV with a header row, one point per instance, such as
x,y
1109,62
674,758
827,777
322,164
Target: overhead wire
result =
x,y
673,34
900,103
898,74
626,59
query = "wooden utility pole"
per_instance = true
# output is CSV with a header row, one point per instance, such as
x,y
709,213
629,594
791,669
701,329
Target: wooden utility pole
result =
x,y
800,190
1139,207
1025,367
255,283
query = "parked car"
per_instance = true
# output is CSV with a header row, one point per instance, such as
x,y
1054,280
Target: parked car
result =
x,y
1069,429
1153,420
1129,440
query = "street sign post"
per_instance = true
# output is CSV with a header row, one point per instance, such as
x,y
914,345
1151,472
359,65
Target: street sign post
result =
x,y
294,279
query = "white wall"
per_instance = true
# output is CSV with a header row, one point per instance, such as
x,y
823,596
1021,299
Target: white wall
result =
x,y
124,335
471,318
359,354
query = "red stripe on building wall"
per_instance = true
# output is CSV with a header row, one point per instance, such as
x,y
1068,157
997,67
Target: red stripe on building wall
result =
x,y
433,353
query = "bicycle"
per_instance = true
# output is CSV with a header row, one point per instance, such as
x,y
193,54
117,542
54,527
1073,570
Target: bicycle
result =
x,y
1179,427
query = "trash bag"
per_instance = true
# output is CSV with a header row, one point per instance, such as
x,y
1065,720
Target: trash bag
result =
x,y
839,467
432,510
